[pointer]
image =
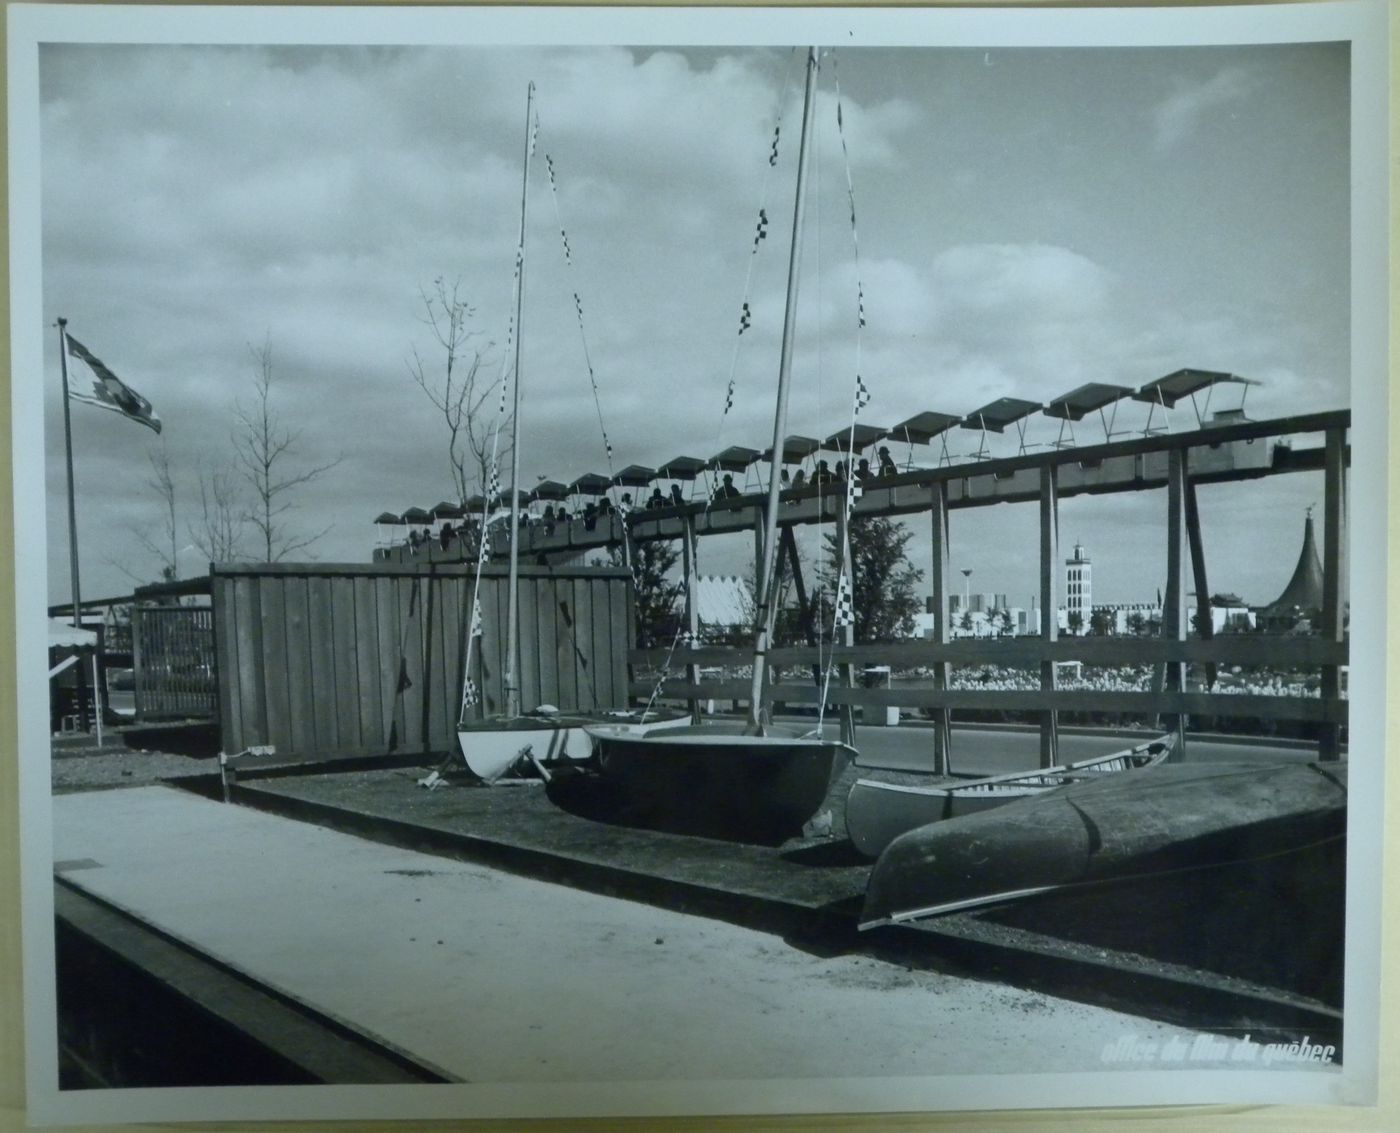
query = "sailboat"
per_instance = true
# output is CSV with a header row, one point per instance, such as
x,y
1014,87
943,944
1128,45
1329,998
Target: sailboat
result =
x,y
748,779
491,746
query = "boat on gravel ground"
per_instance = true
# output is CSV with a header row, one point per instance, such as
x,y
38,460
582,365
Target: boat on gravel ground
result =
x,y
878,810
716,779
1164,819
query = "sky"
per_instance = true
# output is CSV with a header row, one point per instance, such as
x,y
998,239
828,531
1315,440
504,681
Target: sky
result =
x,y
1028,220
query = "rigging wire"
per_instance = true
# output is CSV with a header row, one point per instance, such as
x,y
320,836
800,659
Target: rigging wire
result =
x,y
844,599
760,236
471,694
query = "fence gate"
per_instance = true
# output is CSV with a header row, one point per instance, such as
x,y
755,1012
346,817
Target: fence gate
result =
x,y
173,655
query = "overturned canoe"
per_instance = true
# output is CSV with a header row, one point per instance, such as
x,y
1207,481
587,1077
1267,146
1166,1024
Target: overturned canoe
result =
x,y
878,811
1160,819
717,780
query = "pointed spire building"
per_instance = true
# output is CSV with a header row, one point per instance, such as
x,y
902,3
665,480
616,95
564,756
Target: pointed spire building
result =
x,y
1302,596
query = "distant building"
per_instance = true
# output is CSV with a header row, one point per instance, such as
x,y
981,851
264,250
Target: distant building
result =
x,y
1079,590
1125,618
1301,600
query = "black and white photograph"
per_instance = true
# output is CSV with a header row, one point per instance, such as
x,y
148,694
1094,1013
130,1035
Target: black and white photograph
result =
x,y
643,562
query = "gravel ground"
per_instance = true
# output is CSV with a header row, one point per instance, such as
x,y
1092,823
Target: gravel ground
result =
x,y
78,764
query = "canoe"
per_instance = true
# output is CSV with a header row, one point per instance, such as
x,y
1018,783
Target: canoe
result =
x,y
878,811
1161,819
492,746
717,780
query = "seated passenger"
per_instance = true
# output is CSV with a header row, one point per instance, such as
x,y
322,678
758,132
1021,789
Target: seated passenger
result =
x,y
727,490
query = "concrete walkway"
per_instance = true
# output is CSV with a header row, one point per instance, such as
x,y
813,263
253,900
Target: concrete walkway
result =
x,y
490,977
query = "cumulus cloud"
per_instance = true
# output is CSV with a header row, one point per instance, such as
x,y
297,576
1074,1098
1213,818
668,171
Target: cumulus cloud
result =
x,y
1181,113
196,199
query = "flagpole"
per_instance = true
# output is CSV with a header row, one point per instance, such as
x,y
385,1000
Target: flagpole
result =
x,y
72,511
512,673
68,453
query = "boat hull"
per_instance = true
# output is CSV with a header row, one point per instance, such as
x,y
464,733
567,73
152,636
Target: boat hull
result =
x,y
1161,819
492,746
877,811
713,780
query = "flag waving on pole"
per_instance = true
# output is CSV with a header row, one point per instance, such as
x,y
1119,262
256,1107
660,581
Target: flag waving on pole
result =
x,y
107,390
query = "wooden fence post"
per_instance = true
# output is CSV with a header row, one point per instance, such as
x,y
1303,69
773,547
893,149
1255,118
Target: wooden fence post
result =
x,y
942,718
1049,606
1329,743
1174,620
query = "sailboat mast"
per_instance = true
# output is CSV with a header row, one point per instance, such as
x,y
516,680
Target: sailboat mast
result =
x,y
513,589
767,598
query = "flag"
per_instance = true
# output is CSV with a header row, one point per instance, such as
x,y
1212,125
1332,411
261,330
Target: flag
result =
x,y
108,390
862,398
845,608
475,630
470,696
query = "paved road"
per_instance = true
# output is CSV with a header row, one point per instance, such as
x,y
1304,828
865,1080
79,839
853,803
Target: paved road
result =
x,y
492,977
908,747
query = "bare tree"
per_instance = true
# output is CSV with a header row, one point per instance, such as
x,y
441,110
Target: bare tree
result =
x,y
161,542
218,533
262,451
458,390
164,545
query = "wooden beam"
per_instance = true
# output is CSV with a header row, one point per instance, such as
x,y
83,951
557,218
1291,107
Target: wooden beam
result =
x,y
940,570
1198,570
1029,651
1049,604
1142,704
1174,620
1333,628
692,610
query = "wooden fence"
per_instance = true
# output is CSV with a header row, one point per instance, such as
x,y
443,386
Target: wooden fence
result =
x,y
172,649
368,659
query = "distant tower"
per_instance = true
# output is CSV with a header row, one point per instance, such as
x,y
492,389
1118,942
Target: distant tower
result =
x,y
1302,597
1079,587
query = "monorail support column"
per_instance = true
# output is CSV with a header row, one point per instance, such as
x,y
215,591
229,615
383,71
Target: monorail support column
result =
x,y
1204,617
1174,620
942,730
762,710
692,611
1049,605
846,713
1329,743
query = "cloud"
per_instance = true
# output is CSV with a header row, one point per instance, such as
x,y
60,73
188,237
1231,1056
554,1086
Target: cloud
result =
x,y
1182,112
196,199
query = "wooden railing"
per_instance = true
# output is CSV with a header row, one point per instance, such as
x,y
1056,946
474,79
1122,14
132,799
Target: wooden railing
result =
x,y
1177,462
794,686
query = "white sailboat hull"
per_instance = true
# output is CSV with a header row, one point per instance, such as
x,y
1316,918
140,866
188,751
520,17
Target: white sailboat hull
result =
x,y
492,746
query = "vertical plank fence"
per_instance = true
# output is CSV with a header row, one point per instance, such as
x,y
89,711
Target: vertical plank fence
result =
x,y
367,659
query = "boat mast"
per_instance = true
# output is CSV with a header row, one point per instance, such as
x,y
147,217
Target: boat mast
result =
x,y
767,599
513,590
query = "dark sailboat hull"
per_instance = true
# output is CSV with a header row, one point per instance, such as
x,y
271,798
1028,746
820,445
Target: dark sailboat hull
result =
x,y
1158,820
713,780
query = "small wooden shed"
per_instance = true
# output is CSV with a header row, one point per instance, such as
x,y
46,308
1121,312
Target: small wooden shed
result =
x,y
368,659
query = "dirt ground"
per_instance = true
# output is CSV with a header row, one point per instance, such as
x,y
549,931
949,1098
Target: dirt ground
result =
x,y
129,757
